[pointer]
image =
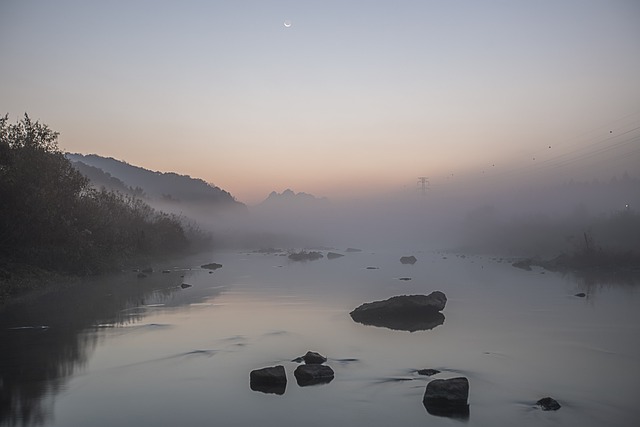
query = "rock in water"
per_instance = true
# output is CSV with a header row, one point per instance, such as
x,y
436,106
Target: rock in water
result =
x,y
269,380
408,259
305,256
313,374
313,358
447,397
353,250
548,404
406,312
211,266
580,295
334,255
428,372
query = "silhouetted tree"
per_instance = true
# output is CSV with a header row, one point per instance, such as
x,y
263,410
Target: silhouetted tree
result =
x,y
52,218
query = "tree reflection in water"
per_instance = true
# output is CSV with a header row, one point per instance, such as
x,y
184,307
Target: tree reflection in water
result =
x,y
44,340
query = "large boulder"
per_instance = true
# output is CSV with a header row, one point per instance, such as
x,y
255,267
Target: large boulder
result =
x,y
313,374
447,397
271,380
405,312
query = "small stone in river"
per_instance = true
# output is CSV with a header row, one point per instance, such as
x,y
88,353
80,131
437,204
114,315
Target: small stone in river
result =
x,y
428,372
313,358
548,404
372,268
405,278
408,259
580,295
148,270
185,286
313,374
211,266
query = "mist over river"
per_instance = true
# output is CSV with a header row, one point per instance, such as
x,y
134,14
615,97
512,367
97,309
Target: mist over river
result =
x,y
128,351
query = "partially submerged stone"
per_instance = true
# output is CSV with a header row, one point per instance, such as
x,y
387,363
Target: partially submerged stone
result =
x,y
272,379
406,312
448,398
548,404
211,266
313,358
408,259
313,374
185,286
305,256
334,255
428,372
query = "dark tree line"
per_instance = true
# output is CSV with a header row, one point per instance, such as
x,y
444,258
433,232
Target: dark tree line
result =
x,y
52,218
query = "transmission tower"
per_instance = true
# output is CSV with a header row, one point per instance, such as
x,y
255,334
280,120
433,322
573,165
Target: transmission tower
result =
x,y
423,181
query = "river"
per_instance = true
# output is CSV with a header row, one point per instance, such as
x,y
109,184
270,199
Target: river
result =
x,y
128,351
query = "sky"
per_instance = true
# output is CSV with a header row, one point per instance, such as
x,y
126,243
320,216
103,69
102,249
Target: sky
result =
x,y
352,98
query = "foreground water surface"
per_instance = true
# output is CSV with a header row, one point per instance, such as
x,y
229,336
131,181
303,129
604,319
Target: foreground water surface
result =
x,y
124,351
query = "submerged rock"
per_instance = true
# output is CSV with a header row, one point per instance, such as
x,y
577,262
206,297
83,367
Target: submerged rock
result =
x,y
305,256
166,271
447,398
404,278
272,380
313,374
185,286
406,312
141,275
548,404
148,270
408,259
580,295
334,255
428,372
211,266
353,250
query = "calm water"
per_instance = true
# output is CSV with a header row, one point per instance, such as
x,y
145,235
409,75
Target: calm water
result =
x,y
124,351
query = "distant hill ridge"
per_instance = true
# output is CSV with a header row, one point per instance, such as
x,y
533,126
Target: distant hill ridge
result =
x,y
166,186
290,197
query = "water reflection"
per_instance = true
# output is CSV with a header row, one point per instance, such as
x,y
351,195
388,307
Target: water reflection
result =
x,y
278,389
46,339
461,413
410,322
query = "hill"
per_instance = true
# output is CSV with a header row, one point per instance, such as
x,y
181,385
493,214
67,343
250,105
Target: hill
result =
x,y
153,186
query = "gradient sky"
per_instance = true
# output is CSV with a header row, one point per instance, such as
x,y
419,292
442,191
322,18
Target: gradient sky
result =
x,y
353,97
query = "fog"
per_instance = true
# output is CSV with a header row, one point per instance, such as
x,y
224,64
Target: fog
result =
x,y
518,218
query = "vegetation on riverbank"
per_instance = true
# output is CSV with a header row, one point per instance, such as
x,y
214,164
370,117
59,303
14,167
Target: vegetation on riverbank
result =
x,y
52,221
